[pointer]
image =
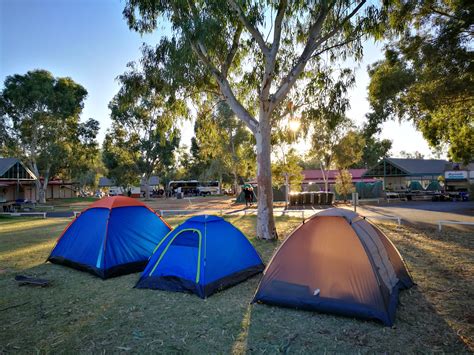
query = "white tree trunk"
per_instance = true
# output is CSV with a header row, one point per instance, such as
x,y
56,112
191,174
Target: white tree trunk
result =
x,y
42,188
147,189
236,183
265,221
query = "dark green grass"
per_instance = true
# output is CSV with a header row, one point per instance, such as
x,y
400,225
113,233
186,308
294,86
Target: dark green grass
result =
x,y
82,313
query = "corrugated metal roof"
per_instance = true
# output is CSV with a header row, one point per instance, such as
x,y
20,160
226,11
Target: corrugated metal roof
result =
x,y
420,166
6,164
105,182
316,174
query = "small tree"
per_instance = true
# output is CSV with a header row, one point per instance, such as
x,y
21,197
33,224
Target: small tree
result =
x,y
40,121
344,185
349,150
119,159
324,116
288,172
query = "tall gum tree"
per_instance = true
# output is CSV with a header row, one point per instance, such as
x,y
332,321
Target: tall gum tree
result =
x,y
265,46
40,119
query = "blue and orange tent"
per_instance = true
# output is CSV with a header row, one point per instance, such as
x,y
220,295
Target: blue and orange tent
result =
x,y
202,255
113,236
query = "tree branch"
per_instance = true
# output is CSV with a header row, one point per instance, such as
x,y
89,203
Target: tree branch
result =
x,y
233,50
338,28
311,45
290,79
270,60
226,90
443,13
278,28
252,29
340,44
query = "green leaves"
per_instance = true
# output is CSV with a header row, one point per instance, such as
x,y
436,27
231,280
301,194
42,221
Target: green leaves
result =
x,y
288,165
40,119
427,75
222,146
144,134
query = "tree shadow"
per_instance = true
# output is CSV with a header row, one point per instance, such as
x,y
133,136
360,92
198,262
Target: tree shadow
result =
x,y
418,328
82,313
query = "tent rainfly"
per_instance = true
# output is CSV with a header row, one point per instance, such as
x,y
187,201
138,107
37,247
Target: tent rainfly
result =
x,y
339,263
114,236
202,255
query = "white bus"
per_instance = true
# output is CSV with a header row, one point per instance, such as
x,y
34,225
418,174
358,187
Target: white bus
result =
x,y
119,191
194,187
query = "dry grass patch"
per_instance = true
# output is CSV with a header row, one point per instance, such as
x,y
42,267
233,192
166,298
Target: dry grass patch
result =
x,y
81,313
442,264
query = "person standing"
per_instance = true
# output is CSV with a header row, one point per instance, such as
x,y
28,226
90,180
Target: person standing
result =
x,y
248,194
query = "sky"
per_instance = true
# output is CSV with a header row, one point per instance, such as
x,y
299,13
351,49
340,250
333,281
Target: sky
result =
x,y
89,41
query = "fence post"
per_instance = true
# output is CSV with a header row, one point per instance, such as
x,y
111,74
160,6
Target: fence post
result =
x,y
355,200
439,226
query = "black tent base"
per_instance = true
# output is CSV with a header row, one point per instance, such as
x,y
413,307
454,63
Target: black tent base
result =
x,y
177,284
118,270
332,306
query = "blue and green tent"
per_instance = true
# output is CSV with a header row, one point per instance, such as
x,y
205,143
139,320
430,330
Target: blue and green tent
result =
x,y
202,255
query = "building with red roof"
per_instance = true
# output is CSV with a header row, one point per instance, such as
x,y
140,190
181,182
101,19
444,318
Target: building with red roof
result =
x,y
315,176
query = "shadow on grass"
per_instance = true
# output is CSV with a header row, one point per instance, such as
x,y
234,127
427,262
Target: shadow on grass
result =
x,y
82,313
418,328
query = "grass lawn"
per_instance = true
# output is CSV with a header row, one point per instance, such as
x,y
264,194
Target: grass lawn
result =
x,y
71,204
80,312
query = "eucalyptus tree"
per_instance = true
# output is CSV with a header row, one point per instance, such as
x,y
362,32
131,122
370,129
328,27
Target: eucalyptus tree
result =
x,y
252,54
41,125
287,171
84,165
427,74
144,117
